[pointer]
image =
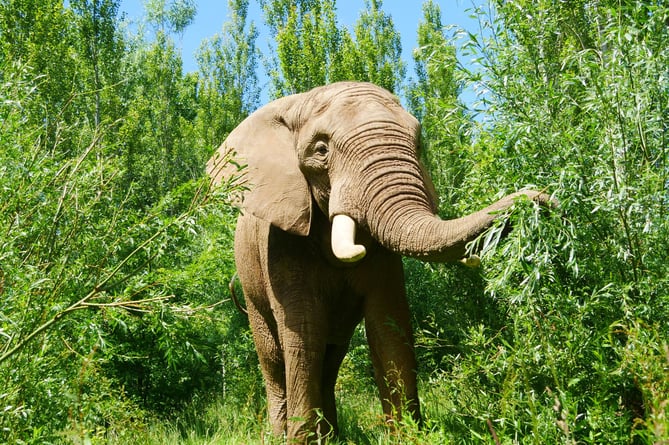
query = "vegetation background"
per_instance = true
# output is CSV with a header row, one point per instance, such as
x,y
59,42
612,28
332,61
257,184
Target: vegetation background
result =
x,y
115,257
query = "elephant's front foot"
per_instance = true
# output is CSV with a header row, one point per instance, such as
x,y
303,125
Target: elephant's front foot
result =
x,y
315,428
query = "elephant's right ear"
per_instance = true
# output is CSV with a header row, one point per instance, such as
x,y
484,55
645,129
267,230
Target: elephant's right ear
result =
x,y
261,153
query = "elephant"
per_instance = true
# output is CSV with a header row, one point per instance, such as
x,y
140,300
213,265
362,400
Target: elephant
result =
x,y
333,195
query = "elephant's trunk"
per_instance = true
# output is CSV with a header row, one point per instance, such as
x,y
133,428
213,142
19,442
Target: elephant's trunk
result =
x,y
411,229
395,203
416,232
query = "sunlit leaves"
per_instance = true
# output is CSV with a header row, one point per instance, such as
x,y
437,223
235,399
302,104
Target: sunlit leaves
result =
x,y
308,43
433,99
102,200
376,55
170,18
577,96
114,264
228,83
313,49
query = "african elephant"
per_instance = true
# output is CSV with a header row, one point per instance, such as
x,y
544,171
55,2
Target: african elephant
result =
x,y
334,196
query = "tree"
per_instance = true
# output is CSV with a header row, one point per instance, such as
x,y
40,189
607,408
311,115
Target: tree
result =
x,y
36,40
577,100
433,99
80,264
101,204
170,19
375,54
313,50
101,48
160,115
307,43
228,85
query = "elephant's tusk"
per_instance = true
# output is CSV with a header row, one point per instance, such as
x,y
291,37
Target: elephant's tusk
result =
x,y
473,261
343,240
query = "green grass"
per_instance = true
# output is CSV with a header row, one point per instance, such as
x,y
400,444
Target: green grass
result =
x,y
456,410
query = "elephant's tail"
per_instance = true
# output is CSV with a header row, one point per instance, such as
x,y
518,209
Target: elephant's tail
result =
x,y
231,286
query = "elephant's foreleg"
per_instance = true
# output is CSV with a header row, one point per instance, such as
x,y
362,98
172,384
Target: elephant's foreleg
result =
x,y
304,367
251,259
391,347
273,368
390,337
334,355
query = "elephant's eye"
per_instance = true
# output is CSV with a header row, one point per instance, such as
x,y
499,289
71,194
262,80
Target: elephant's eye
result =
x,y
317,154
321,149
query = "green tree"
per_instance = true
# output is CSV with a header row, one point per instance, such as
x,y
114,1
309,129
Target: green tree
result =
x,y
375,53
79,264
156,132
101,48
313,50
433,99
170,19
228,88
38,35
75,52
307,43
577,104
102,211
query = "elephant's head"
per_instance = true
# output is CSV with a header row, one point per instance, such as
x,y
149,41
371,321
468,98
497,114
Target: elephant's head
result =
x,y
350,149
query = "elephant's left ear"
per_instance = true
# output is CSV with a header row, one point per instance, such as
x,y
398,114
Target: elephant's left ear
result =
x,y
261,153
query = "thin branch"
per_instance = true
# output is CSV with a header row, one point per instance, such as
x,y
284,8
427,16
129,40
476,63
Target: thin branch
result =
x,y
84,303
190,310
136,305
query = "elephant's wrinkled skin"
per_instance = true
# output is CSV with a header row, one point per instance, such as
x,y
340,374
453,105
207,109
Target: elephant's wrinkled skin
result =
x,y
344,149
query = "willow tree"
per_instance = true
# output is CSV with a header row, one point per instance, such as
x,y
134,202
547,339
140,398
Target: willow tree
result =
x,y
313,49
101,48
160,108
577,100
434,99
228,88
374,54
308,42
36,39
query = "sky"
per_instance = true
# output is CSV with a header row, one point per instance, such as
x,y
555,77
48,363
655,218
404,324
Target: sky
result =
x,y
406,15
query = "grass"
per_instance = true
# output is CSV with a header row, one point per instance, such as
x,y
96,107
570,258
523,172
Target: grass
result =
x,y
469,404
489,397
222,422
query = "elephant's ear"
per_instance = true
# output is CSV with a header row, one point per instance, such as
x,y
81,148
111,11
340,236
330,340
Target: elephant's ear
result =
x,y
261,153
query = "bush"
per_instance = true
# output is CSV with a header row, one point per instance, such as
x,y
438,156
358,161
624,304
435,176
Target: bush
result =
x,y
577,100
110,314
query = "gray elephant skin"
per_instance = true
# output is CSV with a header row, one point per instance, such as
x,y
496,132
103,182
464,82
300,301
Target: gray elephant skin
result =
x,y
334,195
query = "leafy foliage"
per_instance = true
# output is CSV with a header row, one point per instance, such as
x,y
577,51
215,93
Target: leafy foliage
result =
x,y
115,258
228,84
308,43
576,98
312,49
375,54
104,211
433,99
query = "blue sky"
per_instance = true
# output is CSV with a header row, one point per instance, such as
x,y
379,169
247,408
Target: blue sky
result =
x,y
406,14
